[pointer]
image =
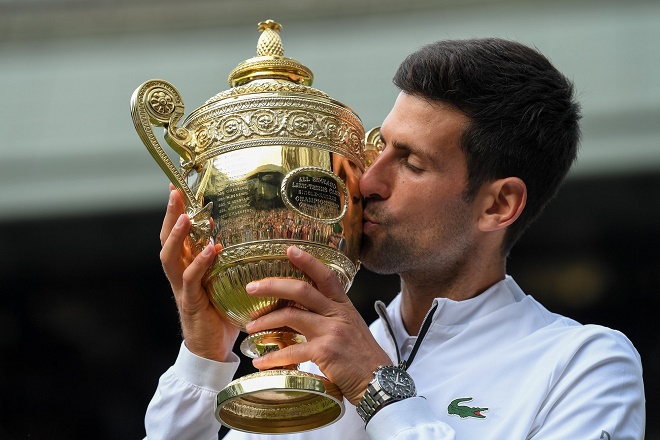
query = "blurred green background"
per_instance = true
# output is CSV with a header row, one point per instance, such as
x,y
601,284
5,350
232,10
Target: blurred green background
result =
x,y
87,322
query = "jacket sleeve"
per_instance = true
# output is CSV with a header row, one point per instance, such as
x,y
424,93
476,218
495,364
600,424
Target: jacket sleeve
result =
x,y
183,405
410,419
599,393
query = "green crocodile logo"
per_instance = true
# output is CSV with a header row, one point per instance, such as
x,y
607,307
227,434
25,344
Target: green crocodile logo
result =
x,y
465,411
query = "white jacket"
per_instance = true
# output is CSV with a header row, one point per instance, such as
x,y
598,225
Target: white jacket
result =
x,y
534,375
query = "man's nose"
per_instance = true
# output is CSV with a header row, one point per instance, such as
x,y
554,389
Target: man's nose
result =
x,y
374,181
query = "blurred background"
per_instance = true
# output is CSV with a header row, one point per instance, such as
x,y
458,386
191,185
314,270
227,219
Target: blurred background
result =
x,y
87,322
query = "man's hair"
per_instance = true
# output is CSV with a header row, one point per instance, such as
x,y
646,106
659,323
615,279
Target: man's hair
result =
x,y
523,116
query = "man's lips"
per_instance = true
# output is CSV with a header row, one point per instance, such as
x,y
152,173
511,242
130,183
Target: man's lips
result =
x,y
368,222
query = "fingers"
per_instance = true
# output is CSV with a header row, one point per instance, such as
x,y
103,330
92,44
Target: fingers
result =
x,y
178,272
192,294
171,253
322,299
321,334
299,320
175,207
323,302
185,278
293,354
325,279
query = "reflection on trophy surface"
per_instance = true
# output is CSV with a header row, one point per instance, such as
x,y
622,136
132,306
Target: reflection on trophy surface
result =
x,y
267,164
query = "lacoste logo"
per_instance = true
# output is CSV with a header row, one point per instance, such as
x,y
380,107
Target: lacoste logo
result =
x,y
465,411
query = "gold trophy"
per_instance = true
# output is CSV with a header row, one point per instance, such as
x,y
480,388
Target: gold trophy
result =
x,y
267,164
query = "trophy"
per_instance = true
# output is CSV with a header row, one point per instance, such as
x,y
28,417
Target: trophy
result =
x,y
267,164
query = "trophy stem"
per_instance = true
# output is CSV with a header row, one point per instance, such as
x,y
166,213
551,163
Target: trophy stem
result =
x,y
278,400
258,344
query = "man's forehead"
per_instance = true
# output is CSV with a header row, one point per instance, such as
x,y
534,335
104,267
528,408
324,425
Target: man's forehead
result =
x,y
414,119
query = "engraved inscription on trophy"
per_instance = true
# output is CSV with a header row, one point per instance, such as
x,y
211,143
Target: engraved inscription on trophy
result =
x,y
316,194
235,201
249,209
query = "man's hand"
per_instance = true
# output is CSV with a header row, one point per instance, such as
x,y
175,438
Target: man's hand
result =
x,y
206,332
338,339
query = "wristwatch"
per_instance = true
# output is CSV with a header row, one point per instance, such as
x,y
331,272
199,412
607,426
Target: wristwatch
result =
x,y
390,384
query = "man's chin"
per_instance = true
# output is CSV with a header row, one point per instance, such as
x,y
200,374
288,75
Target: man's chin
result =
x,y
373,261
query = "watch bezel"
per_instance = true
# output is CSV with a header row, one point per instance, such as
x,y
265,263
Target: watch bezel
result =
x,y
395,382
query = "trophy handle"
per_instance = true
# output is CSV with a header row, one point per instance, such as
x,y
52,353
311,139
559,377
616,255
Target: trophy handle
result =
x,y
158,103
373,145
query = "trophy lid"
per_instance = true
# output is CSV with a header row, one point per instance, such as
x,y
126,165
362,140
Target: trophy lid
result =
x,y
270,62
270,70
271,102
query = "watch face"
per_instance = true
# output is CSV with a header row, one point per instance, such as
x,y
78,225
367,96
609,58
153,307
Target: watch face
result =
x,y
396,382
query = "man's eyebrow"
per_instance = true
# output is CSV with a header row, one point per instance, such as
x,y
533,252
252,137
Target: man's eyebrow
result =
x,y
397,145
401,146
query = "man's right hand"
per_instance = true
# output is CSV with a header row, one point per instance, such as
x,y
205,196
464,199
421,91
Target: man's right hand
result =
x,y
206,333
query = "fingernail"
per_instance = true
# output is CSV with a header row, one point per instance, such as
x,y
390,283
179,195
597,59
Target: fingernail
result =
x,y
252,287
171,200
207,250
295,251
256,362
249,325
179,221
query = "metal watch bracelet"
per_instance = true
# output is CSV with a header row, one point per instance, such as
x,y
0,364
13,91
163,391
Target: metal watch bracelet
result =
x,y
376,397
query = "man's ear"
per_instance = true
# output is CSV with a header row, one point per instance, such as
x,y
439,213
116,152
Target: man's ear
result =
x,y
502,202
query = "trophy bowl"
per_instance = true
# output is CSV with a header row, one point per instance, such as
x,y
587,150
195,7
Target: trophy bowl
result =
x,y
267,164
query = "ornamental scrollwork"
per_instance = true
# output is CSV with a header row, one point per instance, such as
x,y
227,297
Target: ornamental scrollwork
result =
x,y
161,102
268,123
301,123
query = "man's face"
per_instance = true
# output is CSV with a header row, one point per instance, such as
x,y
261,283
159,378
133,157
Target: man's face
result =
x,y
416,220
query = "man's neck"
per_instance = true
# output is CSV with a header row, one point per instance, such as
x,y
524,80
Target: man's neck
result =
x,y
417,296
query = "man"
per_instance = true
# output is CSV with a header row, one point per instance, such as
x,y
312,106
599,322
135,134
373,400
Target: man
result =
x,y
478,141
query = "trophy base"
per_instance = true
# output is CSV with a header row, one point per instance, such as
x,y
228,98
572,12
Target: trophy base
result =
x,y
279,401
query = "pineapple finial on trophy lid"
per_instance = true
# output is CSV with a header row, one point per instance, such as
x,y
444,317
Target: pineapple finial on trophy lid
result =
x,y
270,42
270,62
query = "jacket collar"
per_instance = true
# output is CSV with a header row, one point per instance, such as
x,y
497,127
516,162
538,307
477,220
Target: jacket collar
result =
x,y
457,313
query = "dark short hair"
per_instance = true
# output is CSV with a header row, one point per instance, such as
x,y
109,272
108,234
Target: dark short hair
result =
x,y
522,111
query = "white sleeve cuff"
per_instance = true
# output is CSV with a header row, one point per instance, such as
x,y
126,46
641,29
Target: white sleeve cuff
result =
x,y
204,373
411,419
